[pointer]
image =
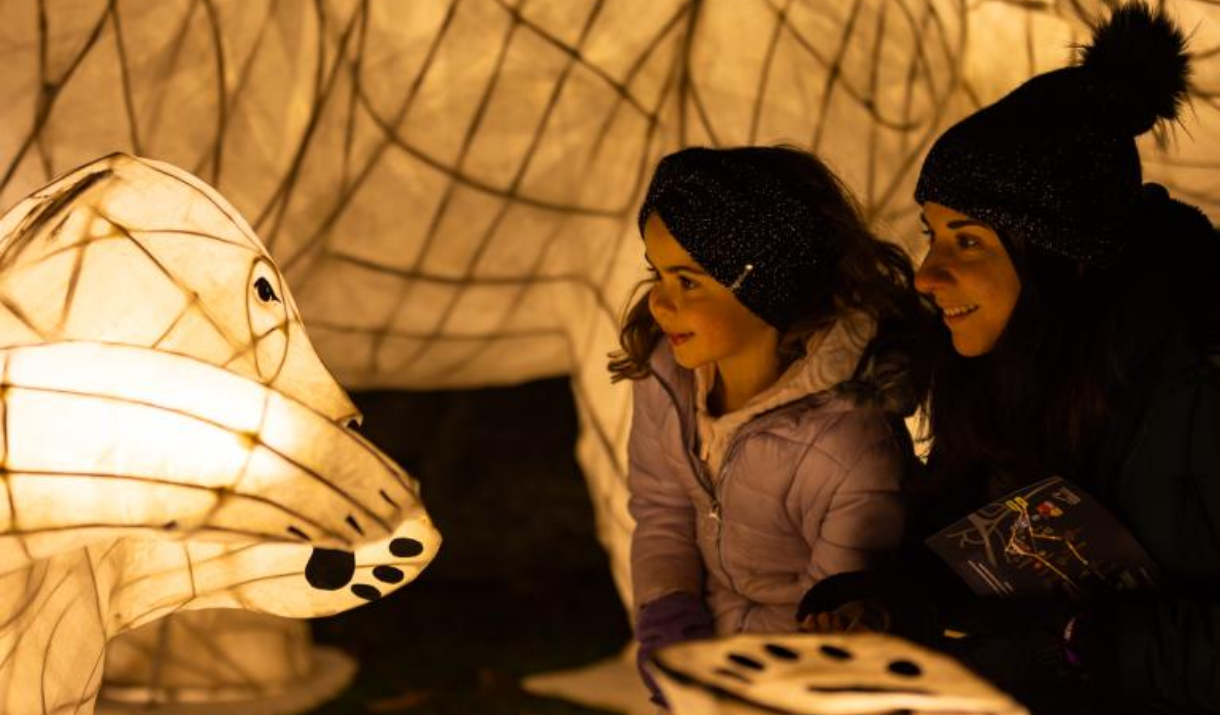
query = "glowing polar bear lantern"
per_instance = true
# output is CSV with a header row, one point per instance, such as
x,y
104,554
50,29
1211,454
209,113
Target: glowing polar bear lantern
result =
x,y
865,674
169,438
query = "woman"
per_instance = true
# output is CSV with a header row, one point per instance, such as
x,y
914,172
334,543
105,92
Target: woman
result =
x,y
1080,342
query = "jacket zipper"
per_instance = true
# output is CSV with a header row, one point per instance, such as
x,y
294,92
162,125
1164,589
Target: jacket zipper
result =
x,y
710,485
717,512
706,481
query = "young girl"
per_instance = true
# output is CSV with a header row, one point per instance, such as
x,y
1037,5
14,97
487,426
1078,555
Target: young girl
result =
x,y
772,370
1080,341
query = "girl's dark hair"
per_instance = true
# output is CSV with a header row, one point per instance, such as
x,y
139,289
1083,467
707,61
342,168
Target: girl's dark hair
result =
x,y
873,276
1038,403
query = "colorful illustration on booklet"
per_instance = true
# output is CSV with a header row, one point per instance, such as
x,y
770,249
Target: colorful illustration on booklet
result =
x,y
1045,539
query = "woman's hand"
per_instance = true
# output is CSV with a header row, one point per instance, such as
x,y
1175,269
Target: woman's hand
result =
x,y
858,616
882,601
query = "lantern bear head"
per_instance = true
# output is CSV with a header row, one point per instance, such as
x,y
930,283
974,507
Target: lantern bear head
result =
x,y
170,440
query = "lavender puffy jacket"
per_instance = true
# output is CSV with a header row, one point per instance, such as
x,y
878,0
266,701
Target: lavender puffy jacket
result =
x,y
807,489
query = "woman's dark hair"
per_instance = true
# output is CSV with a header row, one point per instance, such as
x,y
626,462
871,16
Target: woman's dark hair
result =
x,y
872,276
1039,401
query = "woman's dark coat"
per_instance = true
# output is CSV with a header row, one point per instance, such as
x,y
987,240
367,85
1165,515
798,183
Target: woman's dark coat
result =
x,y
1158,470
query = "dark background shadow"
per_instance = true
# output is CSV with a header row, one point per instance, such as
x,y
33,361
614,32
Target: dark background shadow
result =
x,y
520,584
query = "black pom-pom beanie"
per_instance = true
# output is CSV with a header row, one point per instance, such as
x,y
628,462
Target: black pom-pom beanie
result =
x,y
1054,163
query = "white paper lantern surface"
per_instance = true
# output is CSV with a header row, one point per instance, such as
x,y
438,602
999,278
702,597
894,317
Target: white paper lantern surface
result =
x,y
221,662
805,674
169,440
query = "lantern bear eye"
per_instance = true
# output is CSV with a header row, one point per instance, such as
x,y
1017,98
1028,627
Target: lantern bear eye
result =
x,y
265,292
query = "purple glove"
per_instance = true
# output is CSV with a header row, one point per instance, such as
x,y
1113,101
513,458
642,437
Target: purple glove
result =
x,y
669,619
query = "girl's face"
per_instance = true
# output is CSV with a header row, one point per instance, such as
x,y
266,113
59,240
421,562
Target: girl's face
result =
x,y
968,273
701,318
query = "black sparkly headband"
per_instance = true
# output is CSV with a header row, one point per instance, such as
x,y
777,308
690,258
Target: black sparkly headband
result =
x,y
745,221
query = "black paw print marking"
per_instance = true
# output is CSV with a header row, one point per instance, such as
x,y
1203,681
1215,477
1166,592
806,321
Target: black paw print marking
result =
x,y
741,667
739,662
331,569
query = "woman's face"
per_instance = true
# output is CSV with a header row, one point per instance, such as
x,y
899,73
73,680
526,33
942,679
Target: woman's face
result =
x,y
968,273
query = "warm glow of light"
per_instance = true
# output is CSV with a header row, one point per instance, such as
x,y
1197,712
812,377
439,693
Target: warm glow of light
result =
x,y
170,440
165,381
186,443
467,222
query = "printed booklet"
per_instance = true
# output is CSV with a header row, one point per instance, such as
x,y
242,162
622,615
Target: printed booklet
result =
x,y
1046,539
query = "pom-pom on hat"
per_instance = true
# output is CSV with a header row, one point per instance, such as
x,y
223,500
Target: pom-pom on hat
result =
x,y
1054,163
745,215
